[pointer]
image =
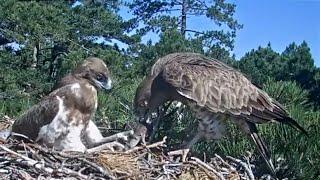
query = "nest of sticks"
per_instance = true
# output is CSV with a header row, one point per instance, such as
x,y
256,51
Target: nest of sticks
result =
x,y
19,160
26,160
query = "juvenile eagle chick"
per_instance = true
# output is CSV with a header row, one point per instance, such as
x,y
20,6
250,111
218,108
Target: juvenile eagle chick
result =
x,y
63,119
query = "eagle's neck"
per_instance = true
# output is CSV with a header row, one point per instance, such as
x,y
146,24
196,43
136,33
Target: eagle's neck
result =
x,y
161,92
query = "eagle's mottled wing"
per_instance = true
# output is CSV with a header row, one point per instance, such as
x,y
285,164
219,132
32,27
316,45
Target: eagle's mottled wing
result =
x,y
41,114
220,88
30,122
161,63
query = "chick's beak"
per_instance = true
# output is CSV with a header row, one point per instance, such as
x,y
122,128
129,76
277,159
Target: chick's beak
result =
x,y
106,85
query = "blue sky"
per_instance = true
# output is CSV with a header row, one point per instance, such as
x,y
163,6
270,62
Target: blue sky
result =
x,y
279,22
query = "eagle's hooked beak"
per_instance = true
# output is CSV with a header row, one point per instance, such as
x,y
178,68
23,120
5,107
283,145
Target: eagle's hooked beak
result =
x,y
106,85
146,121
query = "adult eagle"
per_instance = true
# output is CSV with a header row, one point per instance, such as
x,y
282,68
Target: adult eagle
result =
x,y
63,119
215,92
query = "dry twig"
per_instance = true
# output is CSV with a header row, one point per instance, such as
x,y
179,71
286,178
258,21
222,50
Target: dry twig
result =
x,y
157,144
244,165
200,163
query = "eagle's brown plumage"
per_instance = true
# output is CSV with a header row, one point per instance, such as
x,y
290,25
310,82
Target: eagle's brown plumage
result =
x,y
214,91
65,116
89,67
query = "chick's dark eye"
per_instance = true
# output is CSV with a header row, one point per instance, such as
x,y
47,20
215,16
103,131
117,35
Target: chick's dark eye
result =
x,y
100,77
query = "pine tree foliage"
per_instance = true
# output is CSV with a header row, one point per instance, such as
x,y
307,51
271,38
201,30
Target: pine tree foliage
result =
x,y
41,41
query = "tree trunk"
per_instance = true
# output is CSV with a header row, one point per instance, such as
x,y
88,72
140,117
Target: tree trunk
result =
x,y
36,50
184,17
55,60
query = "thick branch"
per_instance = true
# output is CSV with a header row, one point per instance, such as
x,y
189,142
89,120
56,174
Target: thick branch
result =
x,y
184,17
189,30
202,164
198,9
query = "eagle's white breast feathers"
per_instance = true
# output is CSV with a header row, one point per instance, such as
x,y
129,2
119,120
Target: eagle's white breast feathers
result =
x,y
60,133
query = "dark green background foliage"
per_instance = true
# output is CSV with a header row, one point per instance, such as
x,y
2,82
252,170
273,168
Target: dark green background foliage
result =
x,y
54,36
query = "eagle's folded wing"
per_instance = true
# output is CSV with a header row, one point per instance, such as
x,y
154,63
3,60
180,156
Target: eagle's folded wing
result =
x,y
30,122
222,89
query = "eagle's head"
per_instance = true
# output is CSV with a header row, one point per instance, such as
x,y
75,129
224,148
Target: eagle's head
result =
x,y
142,99
95,71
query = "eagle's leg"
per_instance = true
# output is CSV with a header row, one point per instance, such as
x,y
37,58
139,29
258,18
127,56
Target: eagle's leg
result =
x,y
92,135
94,138
71,141
210,127
186,148
199,135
